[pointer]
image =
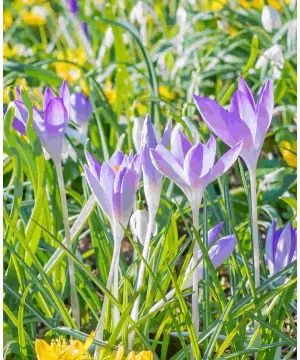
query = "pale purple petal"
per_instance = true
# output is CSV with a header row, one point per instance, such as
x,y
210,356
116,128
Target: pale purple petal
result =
x,y
128,193
99,193
224,163
116,159
167,164
64,93
107,178
180,145
214,233
227,126
94,165
269,243
48,95
81,108
264,111
193,163
149,171
283,249
167,134
56,118
117,193
209,154
148,135
221,251
20,117
244,88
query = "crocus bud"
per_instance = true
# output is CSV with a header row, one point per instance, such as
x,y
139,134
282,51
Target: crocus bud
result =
x,y
138,224
270,18
137,132
281,247
73,6
81,108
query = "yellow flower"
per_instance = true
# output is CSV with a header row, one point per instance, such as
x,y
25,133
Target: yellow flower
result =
x,y
8,52
110,92
6,92
218,5
119,355
37,16
69,72
7,19
166,93
59,349
288,151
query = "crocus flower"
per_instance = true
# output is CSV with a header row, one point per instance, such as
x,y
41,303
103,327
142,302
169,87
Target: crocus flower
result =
x,y
245,120
73,6
152,177
281,247
52,123
219,251
270,18
192,167
114,185
138,224
81,108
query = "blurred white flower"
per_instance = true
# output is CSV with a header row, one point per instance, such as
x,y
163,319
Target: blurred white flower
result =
x,y
270,18
138,224
136,132
274,57
140,13
106,44
292,35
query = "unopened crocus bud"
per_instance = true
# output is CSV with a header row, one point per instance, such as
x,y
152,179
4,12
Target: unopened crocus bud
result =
x,y
270,18
73,6
281,247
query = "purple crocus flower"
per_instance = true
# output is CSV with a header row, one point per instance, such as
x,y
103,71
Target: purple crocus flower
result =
x,y
281,247
73,6
245,120
192,167
114,185
85,29
52,124
81,108
219,251
152,177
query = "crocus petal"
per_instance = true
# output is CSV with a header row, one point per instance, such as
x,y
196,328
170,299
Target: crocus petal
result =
x,y
116,160
224,163
264,111
107,178
64,93
99,193
128,192
20,117
56,117
94,165
244,88
193,163
148,135
180,145
227,126
117,193
137,133
48,95
167,134
167,164
269,243
214,233
81,108
221,251
209,154
283,249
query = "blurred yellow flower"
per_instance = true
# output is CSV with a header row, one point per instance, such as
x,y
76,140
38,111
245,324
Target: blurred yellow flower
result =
x,y
37,16
110,92
7,19
288,151
166,93
258,4
67,71
59,349
6,91
218,4
119,355
8,52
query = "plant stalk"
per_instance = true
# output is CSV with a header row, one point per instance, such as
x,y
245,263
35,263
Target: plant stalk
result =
x,y
135,309
254,226
195,307
74,298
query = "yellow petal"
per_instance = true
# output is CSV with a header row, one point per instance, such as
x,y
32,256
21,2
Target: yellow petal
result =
x,y
144,355
120,353
131,356
89,340
44,351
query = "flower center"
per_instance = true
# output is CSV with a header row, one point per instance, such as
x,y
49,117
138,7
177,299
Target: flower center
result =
x,y
116,168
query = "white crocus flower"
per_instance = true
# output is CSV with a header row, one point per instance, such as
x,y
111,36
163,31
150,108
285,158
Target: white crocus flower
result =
x,y
274,57
136,132
270,18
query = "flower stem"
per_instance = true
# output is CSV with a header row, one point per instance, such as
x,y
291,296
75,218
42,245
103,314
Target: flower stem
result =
x,y
135,309
74,297
195,307
254,226
113,266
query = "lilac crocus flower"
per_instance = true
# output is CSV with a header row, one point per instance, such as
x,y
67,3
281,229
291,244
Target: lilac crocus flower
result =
x,y
281,247
52,124
81,108
114,185
192,167
245,120
219,251
73,6
152,177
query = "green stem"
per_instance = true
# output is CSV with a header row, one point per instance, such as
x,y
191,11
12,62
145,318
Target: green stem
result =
x,y
74,298
195,307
